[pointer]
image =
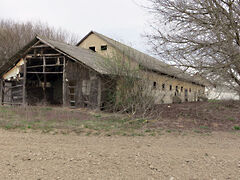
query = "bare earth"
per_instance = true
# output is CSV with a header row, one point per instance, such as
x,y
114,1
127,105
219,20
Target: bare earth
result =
x,y
34,155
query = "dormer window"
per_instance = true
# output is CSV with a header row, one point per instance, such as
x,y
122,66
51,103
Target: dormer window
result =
x,y
103,47
92,48
154,85
163,87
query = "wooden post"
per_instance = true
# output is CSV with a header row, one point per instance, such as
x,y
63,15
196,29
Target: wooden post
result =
x,y
64,83
99,95
24,81
1,92
45,81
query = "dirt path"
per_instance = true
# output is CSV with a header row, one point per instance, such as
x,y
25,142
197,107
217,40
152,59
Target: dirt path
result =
x,y
46,156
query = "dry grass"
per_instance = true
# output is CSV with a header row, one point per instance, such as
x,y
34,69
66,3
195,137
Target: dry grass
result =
x,y
202,117
53,119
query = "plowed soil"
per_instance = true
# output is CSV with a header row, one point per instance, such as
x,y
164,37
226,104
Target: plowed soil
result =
x,y
34,155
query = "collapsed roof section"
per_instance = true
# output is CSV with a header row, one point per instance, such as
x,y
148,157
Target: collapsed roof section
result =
x,y
83,56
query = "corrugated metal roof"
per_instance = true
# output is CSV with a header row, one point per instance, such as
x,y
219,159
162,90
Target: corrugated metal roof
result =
x,y
146,61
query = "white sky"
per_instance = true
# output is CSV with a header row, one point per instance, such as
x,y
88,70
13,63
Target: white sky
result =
x,y
123,20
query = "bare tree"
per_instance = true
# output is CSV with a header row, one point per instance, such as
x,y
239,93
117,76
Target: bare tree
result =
x,y
199,36
14,35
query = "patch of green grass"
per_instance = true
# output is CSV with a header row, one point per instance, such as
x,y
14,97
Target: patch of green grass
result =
x,y
9,126
213,100
124,134
88,133
237,128
197,131
4,109
152,134
46,108
204,127
231,119
137,134
148,130
97,115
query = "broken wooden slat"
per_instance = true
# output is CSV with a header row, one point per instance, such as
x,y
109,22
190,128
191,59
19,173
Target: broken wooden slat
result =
x,y
17,86
48,65
39,55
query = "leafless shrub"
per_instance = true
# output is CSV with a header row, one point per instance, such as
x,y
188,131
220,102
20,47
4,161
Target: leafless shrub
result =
x,y
133,92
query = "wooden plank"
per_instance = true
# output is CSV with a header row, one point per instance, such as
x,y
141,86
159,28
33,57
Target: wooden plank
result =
x,y
12,87
64,83
40,46
47,65
44,72
16,92
41,55
12,103
17,97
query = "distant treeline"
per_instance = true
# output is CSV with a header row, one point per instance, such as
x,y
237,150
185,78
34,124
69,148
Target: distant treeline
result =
x,y
14,35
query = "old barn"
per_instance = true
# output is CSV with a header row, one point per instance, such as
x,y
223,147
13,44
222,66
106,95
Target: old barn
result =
x,y
55,73
51,72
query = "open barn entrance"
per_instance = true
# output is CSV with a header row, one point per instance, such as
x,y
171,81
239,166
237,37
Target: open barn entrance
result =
x,y
44,93
36,79
44,71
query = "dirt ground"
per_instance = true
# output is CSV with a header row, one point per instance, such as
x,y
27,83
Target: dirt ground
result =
x,y
34,155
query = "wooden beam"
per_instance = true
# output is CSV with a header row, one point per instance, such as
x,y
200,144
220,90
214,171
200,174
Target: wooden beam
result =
x,y
41,55
17,92
48,65
44,81
44,72
17,86
13,103
41,46
64,92
24,81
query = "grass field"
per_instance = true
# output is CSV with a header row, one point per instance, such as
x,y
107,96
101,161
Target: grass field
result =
x,y
201,117
64,120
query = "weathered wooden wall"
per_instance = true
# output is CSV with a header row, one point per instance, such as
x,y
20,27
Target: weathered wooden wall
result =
x,y
82,85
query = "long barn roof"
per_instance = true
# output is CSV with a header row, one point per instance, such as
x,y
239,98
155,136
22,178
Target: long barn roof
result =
x,y
94,61
147,61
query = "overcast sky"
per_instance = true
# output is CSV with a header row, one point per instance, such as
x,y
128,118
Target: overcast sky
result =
x,y
122,20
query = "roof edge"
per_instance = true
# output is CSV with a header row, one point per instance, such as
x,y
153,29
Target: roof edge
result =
x,y
85,37
14,58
